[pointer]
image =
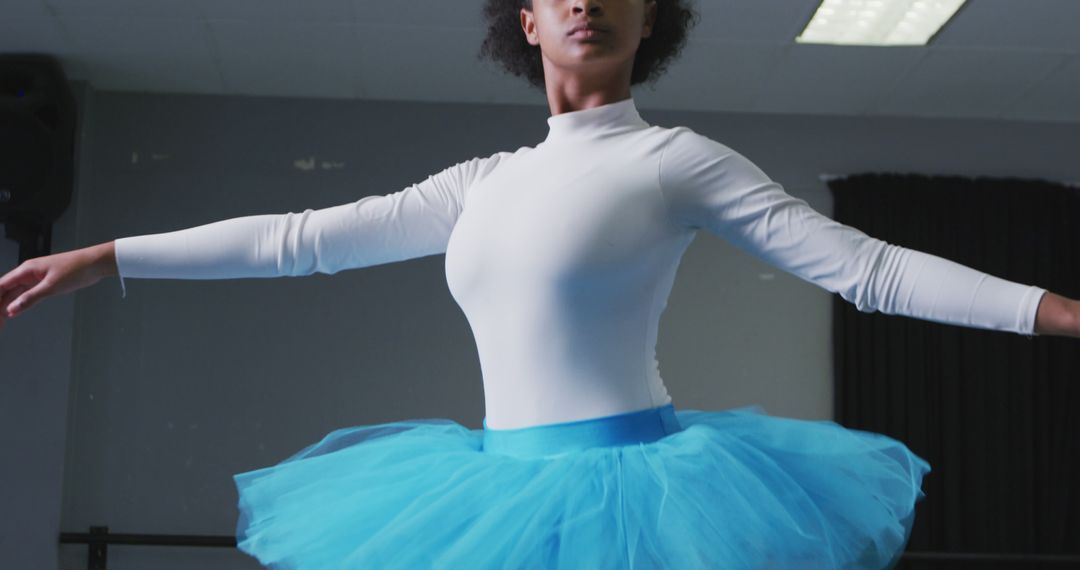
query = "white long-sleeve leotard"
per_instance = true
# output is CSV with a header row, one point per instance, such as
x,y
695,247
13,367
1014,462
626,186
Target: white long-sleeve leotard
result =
x,y
562,256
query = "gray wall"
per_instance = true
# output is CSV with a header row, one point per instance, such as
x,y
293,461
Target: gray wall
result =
x,y
182,384
35,376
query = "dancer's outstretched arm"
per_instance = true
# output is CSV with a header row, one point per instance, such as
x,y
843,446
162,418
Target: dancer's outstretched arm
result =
x,y
708,185
410,223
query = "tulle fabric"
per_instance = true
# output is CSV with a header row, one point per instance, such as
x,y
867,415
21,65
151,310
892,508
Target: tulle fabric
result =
x,y
728,489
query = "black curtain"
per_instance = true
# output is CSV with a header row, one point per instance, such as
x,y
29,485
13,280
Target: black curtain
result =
x,y
994,413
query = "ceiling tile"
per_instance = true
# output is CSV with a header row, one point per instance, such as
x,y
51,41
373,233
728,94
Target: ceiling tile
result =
x,y
833,79
1041,24
965,83
309,11
44,36
144,54
428,64
447,14
714,76
23,9
82,9
31,35
301,60
772,21
1054,99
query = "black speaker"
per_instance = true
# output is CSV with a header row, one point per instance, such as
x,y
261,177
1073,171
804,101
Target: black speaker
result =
x,y
38,114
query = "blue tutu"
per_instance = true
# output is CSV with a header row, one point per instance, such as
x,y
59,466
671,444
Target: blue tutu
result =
x,y
657,488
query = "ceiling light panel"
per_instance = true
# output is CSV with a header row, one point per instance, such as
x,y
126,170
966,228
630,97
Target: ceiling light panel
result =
x,y
878,22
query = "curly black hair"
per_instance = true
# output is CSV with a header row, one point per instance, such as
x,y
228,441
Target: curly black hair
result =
x,y
505,43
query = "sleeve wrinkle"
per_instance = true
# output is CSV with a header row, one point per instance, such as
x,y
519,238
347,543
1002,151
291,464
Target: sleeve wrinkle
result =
x,y
908,299
294,239
873,282
280,229
974,296
288,243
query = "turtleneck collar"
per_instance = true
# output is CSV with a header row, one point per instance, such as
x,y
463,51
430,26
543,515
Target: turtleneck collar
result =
x,y
610,118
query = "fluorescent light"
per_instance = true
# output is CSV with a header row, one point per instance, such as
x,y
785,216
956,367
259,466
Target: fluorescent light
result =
x,y
878,22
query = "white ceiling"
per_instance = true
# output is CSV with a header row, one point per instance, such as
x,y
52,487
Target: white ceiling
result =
x,y
1007,59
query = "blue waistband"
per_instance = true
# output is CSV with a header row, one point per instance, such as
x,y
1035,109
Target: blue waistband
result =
x,y
554,439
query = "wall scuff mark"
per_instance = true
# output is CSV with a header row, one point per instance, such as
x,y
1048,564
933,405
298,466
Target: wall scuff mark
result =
x,y
308,164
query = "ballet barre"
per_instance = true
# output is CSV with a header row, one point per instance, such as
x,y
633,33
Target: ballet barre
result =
x,y
99,537
829,177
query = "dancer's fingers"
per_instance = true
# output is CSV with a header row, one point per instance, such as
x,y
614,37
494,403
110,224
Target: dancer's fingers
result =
x,y
28,273
29,298
15,283
8,278
8,296
11,278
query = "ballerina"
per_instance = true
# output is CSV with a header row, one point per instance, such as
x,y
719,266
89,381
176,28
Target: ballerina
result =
x,y
562,256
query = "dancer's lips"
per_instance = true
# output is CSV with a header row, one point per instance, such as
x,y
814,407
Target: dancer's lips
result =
x,y
587,30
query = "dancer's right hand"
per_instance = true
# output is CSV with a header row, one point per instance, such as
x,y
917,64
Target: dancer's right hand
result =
x,y
41,277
